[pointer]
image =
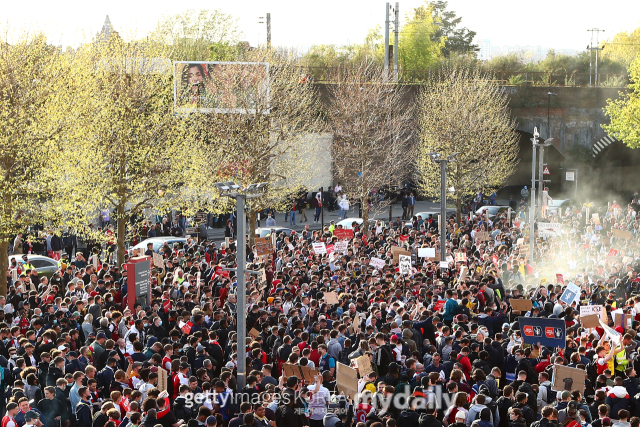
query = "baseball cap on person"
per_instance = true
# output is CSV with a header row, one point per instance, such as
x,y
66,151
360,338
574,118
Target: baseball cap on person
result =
x,y
101,335
184,365
565,395
460,415
211,421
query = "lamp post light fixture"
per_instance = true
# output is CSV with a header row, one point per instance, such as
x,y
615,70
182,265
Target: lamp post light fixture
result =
x,y
437,158
532,208
241,195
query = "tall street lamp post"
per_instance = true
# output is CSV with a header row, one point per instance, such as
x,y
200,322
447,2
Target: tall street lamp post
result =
x,y
437,158
241,195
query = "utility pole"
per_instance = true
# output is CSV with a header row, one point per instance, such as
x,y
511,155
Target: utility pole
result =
x,y
591,49
268,22
395,42
269,31
386,42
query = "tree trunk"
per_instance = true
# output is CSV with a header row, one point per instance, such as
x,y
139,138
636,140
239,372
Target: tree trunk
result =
x,y
4,266
365,216
122,229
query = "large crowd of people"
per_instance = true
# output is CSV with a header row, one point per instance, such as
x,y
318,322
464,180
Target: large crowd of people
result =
x,y
443,345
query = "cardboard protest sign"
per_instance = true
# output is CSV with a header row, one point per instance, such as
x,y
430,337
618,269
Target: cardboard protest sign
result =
x,y
521,304
343,233
397,251
570,293
346,380
330,249
548,332
308,374
566,378
290,370
254,333
376,263
185,327
590,321
405,264
520,241
158,261
595,218
364,365
612,253
427,252
622,319
483,236
622,234
444,264
162,380
263,246
560,279
319,248
331,297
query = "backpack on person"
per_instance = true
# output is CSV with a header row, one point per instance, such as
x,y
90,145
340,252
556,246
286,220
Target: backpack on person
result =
x,y
551,394
592,371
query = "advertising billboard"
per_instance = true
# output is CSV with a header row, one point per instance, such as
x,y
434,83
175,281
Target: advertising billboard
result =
x,y
221,87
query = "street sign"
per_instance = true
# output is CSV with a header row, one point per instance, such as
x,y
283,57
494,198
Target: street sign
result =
x,y
545,171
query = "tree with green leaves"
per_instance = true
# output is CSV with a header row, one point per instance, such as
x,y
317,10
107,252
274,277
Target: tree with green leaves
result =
x,y
463,111
131,152
419,48
457,39
624,47
39,88
624,112
197,35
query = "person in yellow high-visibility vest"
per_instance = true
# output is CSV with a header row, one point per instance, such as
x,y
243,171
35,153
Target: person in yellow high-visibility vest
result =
x,y
622,362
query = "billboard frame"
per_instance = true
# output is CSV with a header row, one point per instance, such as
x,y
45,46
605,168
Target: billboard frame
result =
x,y
176,78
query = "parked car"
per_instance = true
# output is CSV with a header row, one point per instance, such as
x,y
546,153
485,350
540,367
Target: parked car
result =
x,y
265,231
348,222
492,211
561,204
45,266
158,242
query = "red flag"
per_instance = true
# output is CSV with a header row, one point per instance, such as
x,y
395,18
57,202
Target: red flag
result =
x,y
613,252
186,328
494,258
438,306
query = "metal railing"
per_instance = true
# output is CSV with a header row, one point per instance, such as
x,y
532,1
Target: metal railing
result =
x,y
506,78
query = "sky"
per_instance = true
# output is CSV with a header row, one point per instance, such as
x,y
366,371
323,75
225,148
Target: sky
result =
x,y
560,24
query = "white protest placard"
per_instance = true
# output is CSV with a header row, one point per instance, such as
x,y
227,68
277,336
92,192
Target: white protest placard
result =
x,y
319,248
449,259
291,247
569,295
376,263
405,264
587,310
158,261
613,335
427,252
444,264
341,246
549,229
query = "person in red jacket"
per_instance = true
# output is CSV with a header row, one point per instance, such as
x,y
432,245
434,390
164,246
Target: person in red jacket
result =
x,y
464,360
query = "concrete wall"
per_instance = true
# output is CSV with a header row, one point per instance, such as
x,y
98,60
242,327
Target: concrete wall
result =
x,y
576,114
